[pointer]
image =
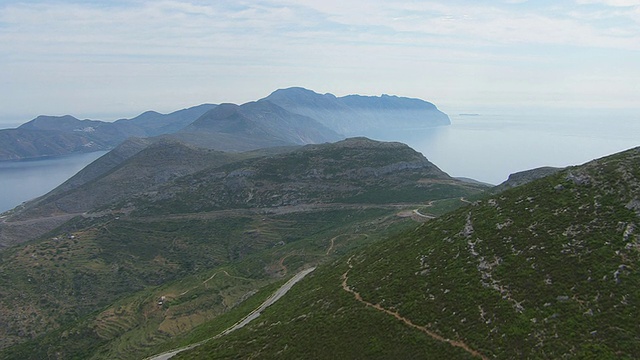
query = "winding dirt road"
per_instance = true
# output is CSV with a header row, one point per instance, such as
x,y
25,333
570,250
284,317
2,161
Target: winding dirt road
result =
x,y
408,322
418,213
247,319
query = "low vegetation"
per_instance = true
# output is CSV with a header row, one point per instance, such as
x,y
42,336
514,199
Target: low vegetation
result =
x,y
137,276
544,270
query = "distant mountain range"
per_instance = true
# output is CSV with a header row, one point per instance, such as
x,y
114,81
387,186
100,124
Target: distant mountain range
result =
x,y
356,115
253,125
49,136
293,116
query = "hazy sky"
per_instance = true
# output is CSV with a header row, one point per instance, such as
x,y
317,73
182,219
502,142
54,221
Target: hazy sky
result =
x,y
110,59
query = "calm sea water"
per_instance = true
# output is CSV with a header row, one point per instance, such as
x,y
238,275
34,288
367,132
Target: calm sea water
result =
x,y
490,145
25,180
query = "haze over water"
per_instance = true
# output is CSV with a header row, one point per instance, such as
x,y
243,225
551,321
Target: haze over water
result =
x,y
487,146
491,144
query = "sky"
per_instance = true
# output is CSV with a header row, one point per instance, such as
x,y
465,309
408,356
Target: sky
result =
x,y
115,59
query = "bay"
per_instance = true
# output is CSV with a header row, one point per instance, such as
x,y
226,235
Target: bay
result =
x,y
485,145
491,144
24,180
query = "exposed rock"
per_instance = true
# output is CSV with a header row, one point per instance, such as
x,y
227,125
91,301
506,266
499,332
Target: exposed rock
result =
x,y
523,177
579,179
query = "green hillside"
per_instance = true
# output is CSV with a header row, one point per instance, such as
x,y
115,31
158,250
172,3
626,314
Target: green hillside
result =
x,y
545,270
135,276
352,171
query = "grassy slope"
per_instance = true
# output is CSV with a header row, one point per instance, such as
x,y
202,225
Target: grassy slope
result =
x,y
546,270
92,271
321,321
92,286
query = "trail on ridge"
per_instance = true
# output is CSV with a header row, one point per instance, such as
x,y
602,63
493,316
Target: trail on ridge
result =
x,y
408,322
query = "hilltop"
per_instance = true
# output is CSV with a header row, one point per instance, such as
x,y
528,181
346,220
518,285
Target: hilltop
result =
x,y
350,171
253,125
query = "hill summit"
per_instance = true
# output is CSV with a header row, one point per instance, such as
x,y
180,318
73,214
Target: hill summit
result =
x,y
252,126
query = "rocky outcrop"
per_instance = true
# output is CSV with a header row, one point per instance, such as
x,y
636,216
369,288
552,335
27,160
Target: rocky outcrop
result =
x,y
523,177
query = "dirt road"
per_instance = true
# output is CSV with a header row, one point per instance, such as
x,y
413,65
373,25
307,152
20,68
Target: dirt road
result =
x,y
247,319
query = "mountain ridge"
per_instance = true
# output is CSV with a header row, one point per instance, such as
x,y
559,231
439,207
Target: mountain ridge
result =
x,y
50,136
357,115
255,125
326,117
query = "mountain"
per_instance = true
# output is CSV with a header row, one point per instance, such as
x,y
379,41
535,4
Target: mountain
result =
x,y
18,144
155,124
37,216
293,116
48,136
356,115
350,171
252,126
544,270
228,127
152,262
161,244
135,166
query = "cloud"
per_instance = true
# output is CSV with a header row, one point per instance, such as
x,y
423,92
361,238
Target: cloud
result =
x,y
169,28
203,29
474,23
618,3
174,51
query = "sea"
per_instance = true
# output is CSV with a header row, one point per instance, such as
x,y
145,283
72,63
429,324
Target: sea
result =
x,y
26,180
485,145
490,145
